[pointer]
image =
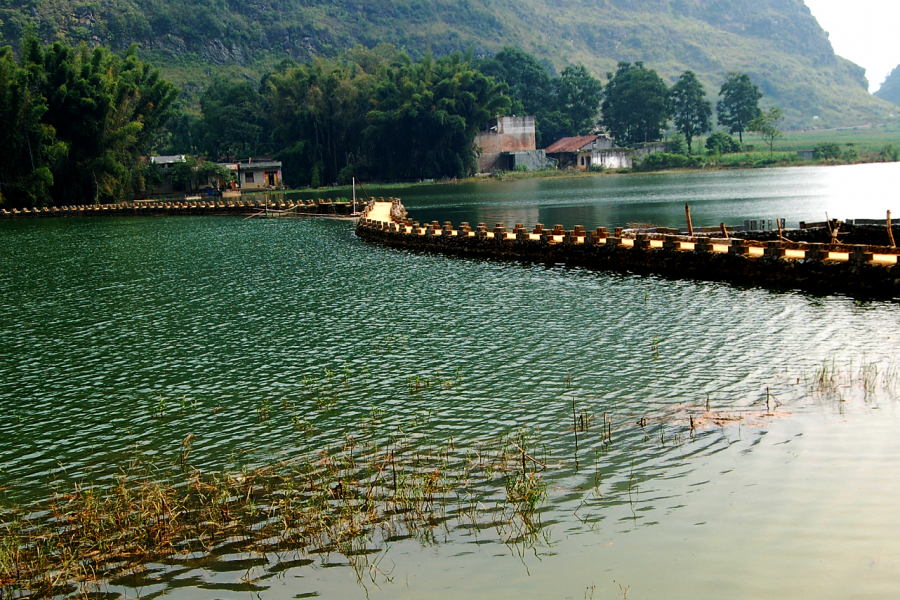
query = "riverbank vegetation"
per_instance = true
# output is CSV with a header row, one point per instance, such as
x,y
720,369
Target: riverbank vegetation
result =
x,y
378,483
74,123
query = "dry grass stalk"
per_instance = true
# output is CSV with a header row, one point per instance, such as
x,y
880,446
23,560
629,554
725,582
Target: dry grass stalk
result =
x,y
338,500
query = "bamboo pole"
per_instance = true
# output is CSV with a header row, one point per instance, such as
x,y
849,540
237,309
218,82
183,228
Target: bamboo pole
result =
x,y
780,230
687,212
890,231
724,230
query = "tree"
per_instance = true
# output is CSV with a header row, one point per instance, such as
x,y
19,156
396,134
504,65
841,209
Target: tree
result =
x,y
766,125
233,119
75,122
184,173
318,114
530,82
739,104
439,105
689,107
677,144
578,95
827,150
634,104
25,142
183,134
722,143
562,106
209,170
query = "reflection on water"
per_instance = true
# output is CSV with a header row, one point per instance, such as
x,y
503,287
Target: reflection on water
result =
x,y
107,324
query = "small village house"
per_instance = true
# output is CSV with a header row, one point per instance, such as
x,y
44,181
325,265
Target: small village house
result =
x,y
584,151
164,163
600,150
258,175
249,175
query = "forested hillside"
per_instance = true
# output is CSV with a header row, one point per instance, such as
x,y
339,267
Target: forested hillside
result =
x,y
777,42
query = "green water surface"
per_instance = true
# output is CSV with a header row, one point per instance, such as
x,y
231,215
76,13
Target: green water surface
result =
x,y
121,336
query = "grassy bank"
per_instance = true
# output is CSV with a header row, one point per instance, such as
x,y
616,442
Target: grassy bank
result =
x,y
866,139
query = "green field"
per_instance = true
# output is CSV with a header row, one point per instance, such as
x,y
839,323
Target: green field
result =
x,y
864,139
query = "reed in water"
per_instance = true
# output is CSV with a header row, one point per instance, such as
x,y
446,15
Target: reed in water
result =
x,y
338,500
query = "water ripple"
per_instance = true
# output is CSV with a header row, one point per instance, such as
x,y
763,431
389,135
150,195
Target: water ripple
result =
x,y
123,336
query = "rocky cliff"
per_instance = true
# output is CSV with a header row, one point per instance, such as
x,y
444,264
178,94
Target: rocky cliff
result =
x,y
890,89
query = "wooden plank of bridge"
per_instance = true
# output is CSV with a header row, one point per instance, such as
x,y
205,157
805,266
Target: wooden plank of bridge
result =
x,y
381,211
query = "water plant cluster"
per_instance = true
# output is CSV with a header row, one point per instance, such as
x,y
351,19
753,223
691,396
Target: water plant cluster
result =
x,y
341,499
866,381
383,480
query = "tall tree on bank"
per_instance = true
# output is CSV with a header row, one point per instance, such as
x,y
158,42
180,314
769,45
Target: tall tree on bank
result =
x,y
99,113
635,106
766,125
233,120
439,106
739,104
578,96
689,107
530,83
27,145
318,112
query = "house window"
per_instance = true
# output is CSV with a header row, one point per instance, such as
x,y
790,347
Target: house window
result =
x,y
248,177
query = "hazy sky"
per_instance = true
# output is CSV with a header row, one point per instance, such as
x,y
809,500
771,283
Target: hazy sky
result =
x,y
864,31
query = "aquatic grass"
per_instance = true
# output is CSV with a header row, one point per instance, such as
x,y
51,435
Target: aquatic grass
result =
x,y
375,484
339,499
868,381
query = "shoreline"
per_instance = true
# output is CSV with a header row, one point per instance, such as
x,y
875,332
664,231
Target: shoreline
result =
x,y
250,203
248,198
575,174
247,209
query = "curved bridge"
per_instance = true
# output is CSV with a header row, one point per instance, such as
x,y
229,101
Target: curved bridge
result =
x,y
857,269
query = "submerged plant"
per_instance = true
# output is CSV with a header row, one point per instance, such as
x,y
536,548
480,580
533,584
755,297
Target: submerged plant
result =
x,y
264,410
341,499
526,492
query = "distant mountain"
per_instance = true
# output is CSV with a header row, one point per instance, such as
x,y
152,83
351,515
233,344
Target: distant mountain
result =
x,y
778,42
890,89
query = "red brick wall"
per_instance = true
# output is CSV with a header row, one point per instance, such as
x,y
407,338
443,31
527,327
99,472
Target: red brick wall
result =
x,y
512,134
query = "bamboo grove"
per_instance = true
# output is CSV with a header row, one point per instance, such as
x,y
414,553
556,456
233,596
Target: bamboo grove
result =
x,y
74,123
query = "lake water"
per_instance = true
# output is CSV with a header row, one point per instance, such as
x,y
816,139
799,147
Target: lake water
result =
x,y
105,323
794,194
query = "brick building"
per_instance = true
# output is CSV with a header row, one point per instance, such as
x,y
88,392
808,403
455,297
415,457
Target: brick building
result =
x,y
508,142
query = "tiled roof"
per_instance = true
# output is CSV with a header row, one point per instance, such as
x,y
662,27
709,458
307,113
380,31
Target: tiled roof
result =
x,y
571,144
